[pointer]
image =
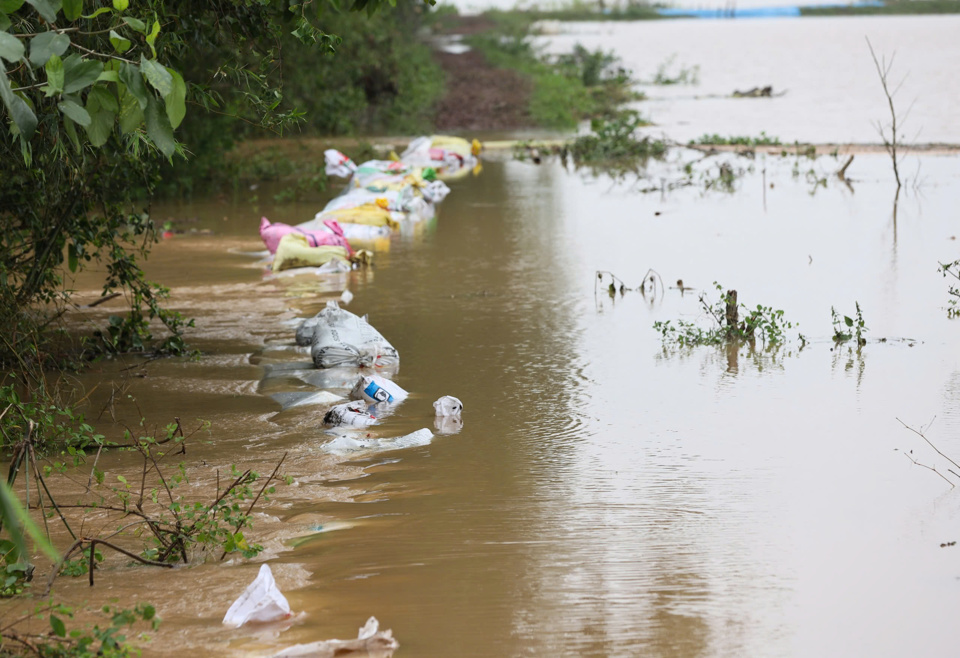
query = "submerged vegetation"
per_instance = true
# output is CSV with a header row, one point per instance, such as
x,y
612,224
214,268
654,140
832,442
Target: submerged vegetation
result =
x,y
953,290
717,140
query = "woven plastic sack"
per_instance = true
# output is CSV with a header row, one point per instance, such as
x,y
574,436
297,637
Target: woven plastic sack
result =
x,y
331,235
262,601
294,250
341,338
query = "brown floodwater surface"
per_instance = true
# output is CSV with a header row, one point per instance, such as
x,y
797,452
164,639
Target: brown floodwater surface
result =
x,y
606,496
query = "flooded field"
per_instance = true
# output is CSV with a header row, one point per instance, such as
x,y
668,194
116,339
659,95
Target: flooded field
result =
x,y
821,65
607,495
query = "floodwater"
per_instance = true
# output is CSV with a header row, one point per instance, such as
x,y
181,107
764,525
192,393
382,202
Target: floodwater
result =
x,y
607,495
831,90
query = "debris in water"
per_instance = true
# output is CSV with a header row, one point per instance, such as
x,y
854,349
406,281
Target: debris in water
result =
x,y
370,640
346,445
262,602
448,406
374,389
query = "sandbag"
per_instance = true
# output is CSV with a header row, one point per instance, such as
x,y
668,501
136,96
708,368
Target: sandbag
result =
x,y
341,338
295,251
337,164
346,445
375,389
331,236
349,414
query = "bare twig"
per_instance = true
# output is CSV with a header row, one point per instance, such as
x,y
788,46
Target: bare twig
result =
x,y
883,70
929,443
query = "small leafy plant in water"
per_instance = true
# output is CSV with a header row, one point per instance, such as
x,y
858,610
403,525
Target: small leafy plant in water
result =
x,y
683,75
719,140
953,302
846,328
763,322
615,141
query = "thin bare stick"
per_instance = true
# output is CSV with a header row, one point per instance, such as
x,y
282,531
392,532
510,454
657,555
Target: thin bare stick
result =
x,y
929,468
891,145
260,493
929,443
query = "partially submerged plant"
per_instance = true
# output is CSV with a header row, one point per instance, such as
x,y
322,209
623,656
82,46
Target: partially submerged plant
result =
x,y
846,328
613,142
717,140
763,322
684,75
953,302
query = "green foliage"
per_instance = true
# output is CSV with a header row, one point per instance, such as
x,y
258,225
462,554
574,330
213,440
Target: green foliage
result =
x,y
717,140
953,301
846,328
613,143
731,323
566,90
890,7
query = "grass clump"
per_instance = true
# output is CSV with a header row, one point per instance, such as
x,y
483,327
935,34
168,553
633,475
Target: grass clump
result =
x,y
614,139
719,140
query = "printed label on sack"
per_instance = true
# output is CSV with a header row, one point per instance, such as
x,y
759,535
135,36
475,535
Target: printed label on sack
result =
x,y
374,392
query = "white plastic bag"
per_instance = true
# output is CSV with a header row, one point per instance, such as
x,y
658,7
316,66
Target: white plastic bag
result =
x,y
370,641
262,601
448,406
340,338
346,445
349,414
374,389
337,164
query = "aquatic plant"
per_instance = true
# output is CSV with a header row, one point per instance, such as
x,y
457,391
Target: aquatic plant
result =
x,y
728,325
614,140
846,328
717,140
953,301
684,75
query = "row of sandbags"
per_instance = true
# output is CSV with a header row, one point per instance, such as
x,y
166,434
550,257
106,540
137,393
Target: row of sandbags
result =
x,y
380,197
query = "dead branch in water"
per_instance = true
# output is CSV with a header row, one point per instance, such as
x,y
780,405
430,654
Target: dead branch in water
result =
x,y
883,70
921,433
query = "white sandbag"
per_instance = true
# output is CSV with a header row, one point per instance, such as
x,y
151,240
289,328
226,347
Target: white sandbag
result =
x,y
370,641
337,164
340,338
448,406
349,414
435,192
305,330
291,399
374,389
448,424
347,445
262,601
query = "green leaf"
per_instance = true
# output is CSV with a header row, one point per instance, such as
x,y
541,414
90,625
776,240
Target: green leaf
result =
x,y
152,37
4,21
108,76
848,320
136,24
15,519
158,127
54,69
23,117
45,45
11,49
46,8
72,9
10,6
75,112
157,76
121,5
104,98
102,10
101,125
130,75
176,100
70,128
59,629
131,116
79,73
119,44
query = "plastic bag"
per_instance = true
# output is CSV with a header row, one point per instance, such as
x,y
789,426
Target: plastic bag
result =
x,y
448,406
435,192
345,445
262,601
331,235
370,641
374,389
349,414
295,251
340,338
337,164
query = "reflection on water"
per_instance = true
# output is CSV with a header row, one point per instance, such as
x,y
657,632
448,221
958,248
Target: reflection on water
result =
x,y
605,495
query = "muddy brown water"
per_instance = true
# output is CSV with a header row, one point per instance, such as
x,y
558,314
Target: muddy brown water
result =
x,y
606,495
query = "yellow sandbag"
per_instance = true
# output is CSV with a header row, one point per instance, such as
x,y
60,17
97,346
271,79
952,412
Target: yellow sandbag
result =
x,y
456,144
294,251
369,214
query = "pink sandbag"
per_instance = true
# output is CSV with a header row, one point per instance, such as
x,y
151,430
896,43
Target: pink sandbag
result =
x,y
271,234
